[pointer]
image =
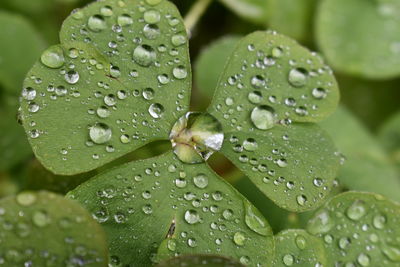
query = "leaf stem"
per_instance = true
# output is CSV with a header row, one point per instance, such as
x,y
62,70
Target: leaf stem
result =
x,y
194,14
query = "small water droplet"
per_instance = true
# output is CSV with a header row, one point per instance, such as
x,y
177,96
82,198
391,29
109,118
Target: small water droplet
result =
x,y
180,72
250,144
26,198
255,97
379,221
124,20
40,218
288,260
320,223
363,259
152,16
319,93
71,77
257,81
239,238
301,242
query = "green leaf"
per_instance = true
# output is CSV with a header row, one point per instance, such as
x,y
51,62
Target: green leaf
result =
x,y
292,18
389,137
42,229
269,82
269,69
119,79
359,229
296,247
14,147
365,45
185,208
16,34
29,7
366,166
252,10
200,261
293,165
211,62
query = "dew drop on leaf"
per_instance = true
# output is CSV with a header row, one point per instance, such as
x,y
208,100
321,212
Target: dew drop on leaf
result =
x,y
53,57
144,55
100,133
263,117
97,23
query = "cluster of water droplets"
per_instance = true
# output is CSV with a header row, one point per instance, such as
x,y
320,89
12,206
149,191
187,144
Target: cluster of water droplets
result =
x,y
27,219
191,197
123,63
278,85
359,230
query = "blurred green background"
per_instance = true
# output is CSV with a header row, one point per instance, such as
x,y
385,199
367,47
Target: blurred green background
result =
x,y
358,39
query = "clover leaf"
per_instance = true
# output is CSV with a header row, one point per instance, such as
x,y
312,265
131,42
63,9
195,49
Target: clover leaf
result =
x,y
186,208
253,10
349,42
36,232
296,247
120,79
358,229
270,91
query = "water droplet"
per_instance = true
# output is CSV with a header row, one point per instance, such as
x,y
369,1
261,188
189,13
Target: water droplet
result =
x,y
144,55
200,180
255,221
171,244
163,78
180,72
288,260
344,242
356,211
298,77
257,81
277,52
379,221
195,137
152,16
301,200
239,238
250,144
100,133
97,23
392,253
124,20
53,57
363,259
40,218
227,214
263,117
33,107
26,198
156,110
147,209
301,242
320,223
110,100
106,11
29,93
319,93
148,94
192,217
192,242
178,40
255,97
151,31
71,77
125,139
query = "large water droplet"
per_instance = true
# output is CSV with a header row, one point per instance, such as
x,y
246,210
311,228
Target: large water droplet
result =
x,y
124,20
192,217
263,117
195,137
72,77
257,81
97,23
156,110
356,210
320,223
239,238
288,260
100,133
255,221
28,93
298,77
180,72
152,16
200,180
151,31
392,253
363,259
144,55
53,57
26,198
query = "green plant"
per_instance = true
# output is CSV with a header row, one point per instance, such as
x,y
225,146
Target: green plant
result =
x,y
120,81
